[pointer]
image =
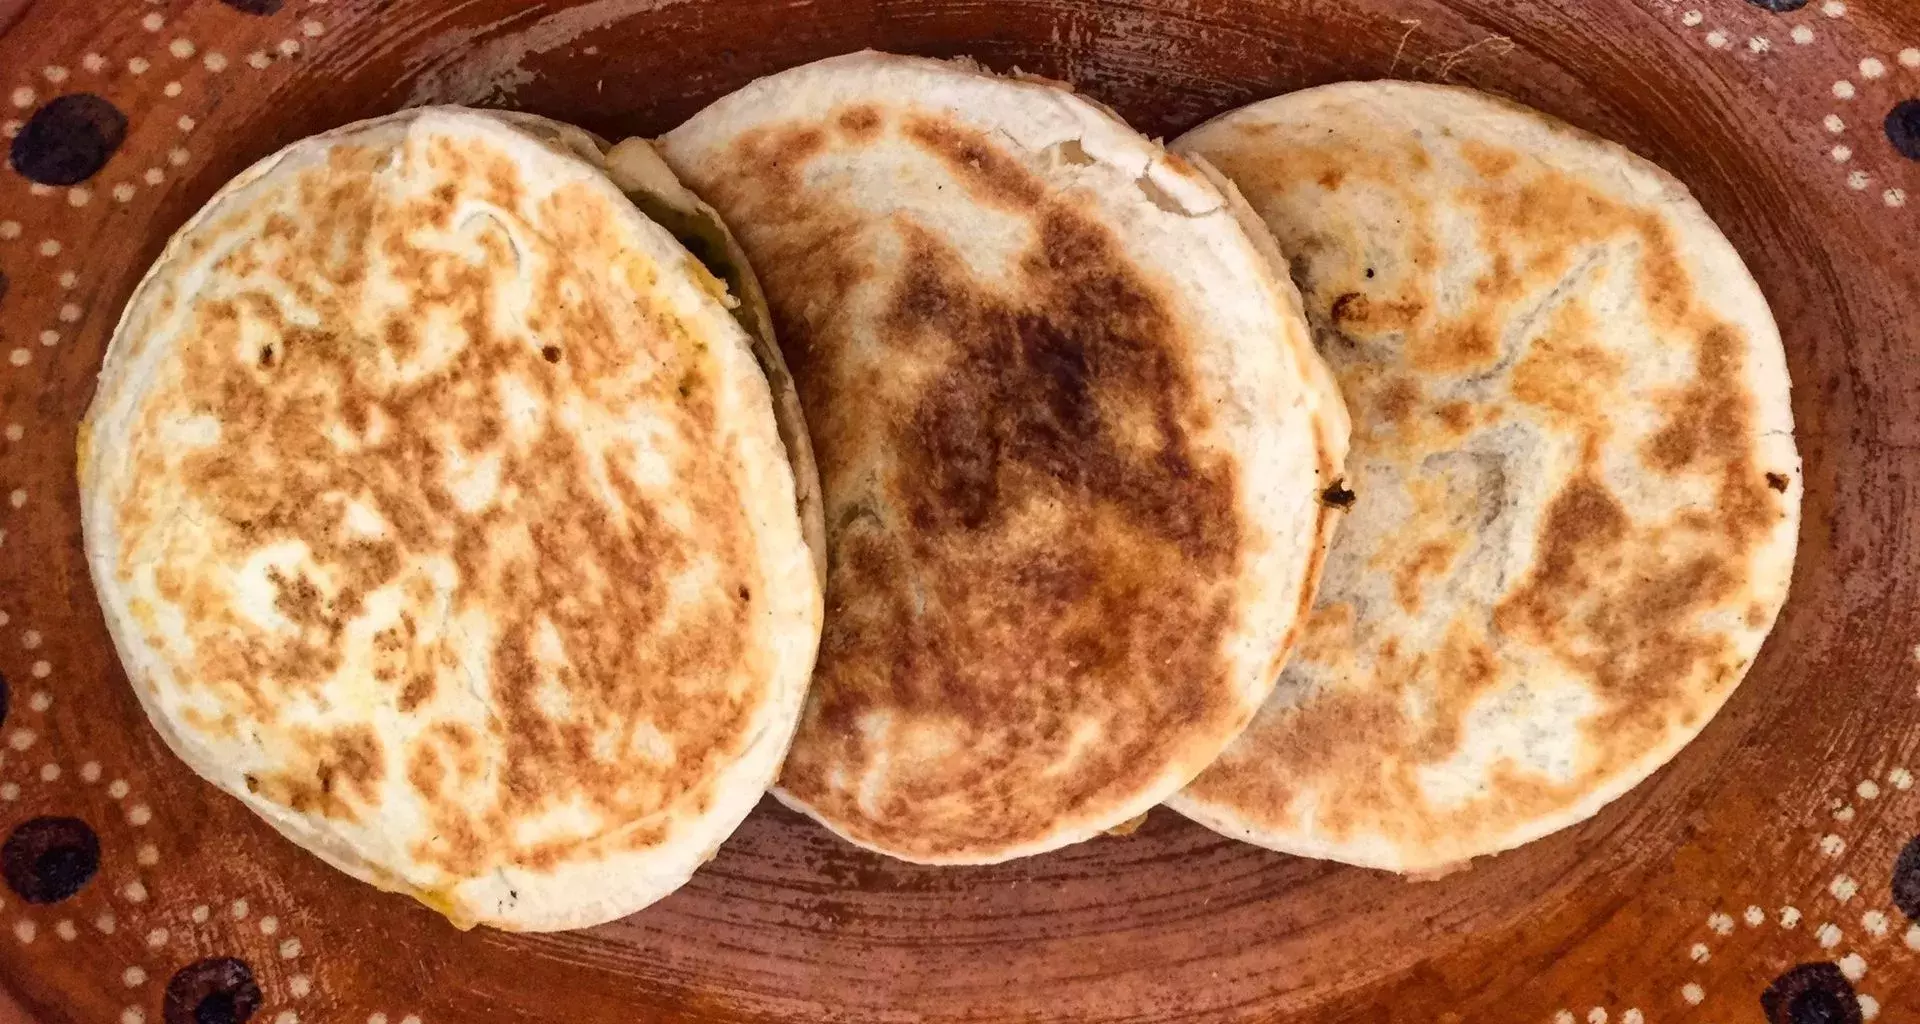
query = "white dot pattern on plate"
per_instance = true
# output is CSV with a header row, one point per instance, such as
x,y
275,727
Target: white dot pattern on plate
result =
x,y
1854,966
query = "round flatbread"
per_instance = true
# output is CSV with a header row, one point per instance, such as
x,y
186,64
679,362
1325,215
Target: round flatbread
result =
x,y
1072,438
1575,487
439,513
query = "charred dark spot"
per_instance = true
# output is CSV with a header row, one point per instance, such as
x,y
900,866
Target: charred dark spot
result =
x,y
1338,496
1778,6
46,860
746,593
262,7
1777,481
1811,994
218,990
68,140
266,356
551,353
1906,880
1903,128
6,698
1369,273
1344,306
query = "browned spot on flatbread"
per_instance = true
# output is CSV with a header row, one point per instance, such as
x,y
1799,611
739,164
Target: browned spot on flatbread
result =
x,y
1490,161
1358,723
583,556
1428,559
860,123
1043,548
1565,374
990,174
337,773
1395,402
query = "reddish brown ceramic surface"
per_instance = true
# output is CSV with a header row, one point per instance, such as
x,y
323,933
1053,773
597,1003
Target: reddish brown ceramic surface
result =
x,y
1772,842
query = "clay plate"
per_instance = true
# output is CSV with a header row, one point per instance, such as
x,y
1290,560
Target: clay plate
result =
x,y
1771,873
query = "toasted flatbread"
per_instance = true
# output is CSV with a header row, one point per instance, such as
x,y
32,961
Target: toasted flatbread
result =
x,y
439,513
1072,436
1575,488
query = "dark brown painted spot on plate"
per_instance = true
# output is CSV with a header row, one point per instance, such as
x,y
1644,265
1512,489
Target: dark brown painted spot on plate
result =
x,y
1906,880
46,860
68,140
218,990
1777,481
1811,994
1903,128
